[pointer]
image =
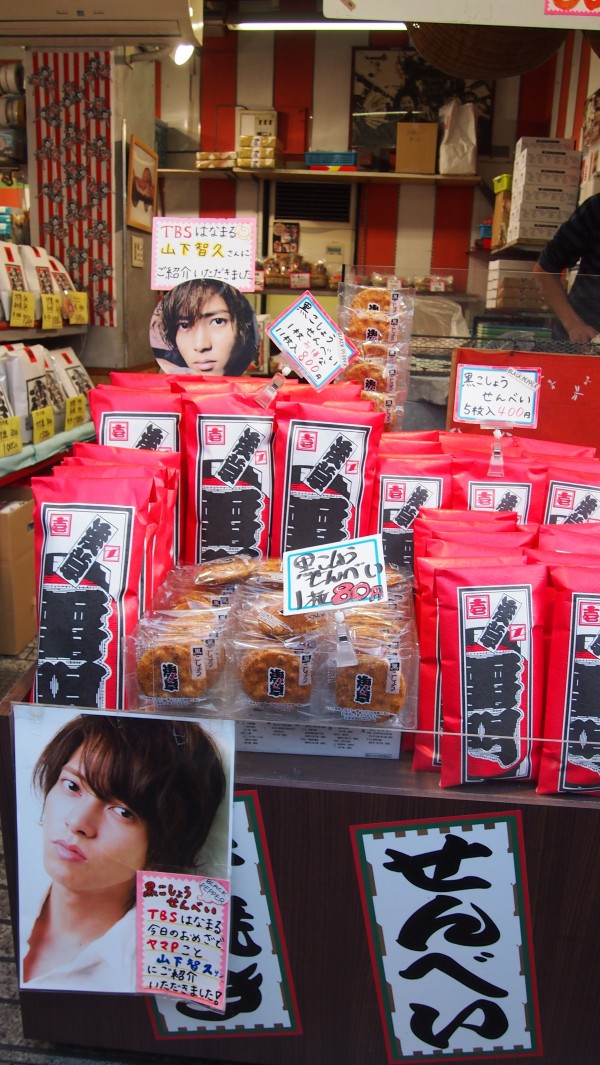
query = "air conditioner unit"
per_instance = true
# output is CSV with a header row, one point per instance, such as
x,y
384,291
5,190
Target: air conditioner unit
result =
x,y
56,24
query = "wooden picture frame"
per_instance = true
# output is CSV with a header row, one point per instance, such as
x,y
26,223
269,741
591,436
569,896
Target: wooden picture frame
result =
x,y
142,181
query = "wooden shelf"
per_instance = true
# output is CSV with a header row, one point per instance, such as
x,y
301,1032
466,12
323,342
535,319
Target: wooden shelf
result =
x,y
332,176
520,245
8,335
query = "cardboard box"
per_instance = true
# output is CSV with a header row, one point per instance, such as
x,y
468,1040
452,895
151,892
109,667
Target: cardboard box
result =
x,y
530,192
18,621
545,143
552,213
416,147
501,218
526,229
521,303
513,283
560,158
500,267
251,122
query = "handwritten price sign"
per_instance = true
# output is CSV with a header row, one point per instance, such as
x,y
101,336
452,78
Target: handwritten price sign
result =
x,y
487,394
10,436
183,935
312,341
335,576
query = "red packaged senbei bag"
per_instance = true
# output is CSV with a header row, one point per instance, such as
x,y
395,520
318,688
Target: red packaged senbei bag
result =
x,y
571,751
125,417
325,468
158,554
402,486
430,717
169,461
228,477
491,641
520,488
573,494
89,553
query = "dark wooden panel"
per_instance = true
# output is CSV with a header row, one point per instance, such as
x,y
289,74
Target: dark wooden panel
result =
x,y
307,813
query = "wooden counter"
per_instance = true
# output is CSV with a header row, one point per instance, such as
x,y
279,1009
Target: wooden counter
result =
x,y
308,804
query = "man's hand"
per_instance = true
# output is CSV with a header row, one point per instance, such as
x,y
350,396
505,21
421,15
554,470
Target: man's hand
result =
x,y
581,333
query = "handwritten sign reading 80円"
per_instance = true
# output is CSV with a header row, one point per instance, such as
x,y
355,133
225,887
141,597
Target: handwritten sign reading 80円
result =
x,y
334,576
311,341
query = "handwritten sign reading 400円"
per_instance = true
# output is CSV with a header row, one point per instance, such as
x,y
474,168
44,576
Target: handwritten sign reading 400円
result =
x,y
488,394
334,576
183,935
312,341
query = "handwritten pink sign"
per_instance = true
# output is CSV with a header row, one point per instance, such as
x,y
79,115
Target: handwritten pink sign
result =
x,y
183,936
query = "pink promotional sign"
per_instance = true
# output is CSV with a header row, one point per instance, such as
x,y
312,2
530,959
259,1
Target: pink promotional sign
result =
x,y
182,935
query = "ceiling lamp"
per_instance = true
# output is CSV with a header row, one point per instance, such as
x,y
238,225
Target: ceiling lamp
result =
x,y
239,22
182,53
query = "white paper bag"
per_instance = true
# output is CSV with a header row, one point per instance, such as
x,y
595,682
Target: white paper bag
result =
x,y
458,150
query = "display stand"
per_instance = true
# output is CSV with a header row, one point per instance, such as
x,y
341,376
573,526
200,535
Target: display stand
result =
x,y
308,805
569,392
34,457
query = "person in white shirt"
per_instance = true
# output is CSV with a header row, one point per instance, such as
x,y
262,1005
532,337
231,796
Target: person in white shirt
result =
x,y
120,794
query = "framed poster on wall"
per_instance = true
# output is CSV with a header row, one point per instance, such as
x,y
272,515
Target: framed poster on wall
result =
x,y
391,85
141,185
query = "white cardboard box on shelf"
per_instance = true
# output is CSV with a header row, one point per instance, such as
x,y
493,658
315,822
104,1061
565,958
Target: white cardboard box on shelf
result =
x,y
512,283
531,192
560,158
551,213
546,175
527,229
499,267
547,143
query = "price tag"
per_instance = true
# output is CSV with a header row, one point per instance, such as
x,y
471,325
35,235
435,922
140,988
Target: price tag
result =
x,y
22,310
335,576
486,394
310,340
75,411
10,437
43,424
51,311
79,311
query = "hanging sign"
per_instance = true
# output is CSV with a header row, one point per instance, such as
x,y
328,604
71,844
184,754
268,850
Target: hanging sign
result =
x,y
334,576
558,14
447,916
311,341
223,249
486,394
